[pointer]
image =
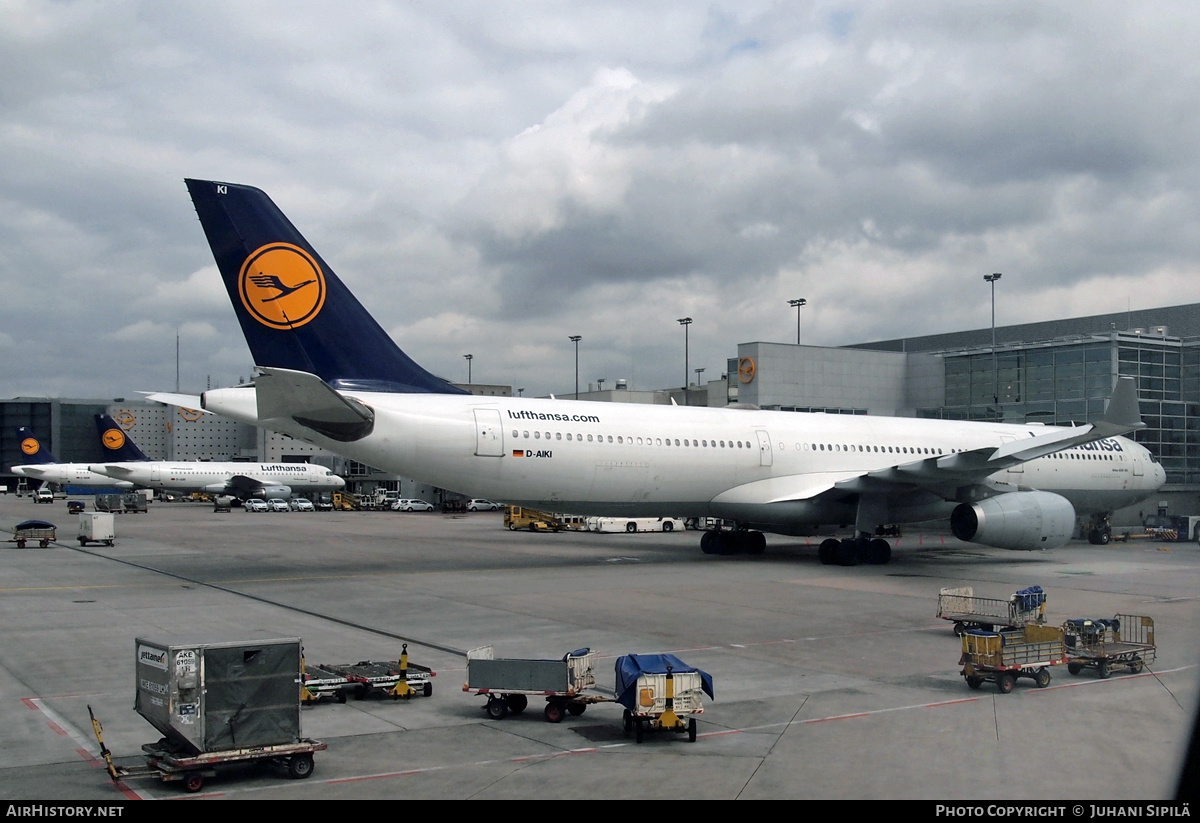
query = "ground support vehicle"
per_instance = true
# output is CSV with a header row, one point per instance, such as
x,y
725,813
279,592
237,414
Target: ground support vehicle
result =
x,y
658,692
634,524
133,503
959,604
518,517
108,503
192,769
1002,657
29,530
567,684
75,506
96,527
1125,640
394,678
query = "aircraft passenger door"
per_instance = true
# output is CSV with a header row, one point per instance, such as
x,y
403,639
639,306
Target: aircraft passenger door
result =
x,y
489,435
154,473
764,448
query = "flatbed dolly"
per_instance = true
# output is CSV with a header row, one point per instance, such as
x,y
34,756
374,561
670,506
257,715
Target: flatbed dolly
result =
x,y
1126,640
192,770
395,678
1003,657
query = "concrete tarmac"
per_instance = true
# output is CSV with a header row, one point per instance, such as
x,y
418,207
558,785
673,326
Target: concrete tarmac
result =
x,y
830,682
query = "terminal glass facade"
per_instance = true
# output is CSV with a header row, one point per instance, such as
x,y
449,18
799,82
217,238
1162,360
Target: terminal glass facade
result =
x,y
1067,381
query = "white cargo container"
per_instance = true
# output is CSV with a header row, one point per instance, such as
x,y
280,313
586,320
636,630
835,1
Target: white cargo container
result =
x,y
96,527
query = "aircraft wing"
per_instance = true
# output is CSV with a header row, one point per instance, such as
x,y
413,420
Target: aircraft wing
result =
x,y
944,474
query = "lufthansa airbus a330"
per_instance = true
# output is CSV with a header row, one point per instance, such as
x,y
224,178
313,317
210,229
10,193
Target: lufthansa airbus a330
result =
x,y
330,375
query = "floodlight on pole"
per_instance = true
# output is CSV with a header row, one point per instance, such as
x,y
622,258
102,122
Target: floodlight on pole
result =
x,y
798,303
992,278
469,358
575,338
685,322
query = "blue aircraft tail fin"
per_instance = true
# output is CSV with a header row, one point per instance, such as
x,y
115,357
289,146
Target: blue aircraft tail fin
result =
x,y
294,311
33,452
118,446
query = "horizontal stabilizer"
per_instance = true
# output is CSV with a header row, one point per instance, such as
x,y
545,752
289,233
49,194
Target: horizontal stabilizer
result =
x,y
183,401
311,402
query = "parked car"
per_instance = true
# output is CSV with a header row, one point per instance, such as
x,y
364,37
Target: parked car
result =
x,y
480,505
277,504
301,504
406,505
43,495
255,504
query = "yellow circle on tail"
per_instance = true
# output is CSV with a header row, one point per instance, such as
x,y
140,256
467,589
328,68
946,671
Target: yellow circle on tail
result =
x,y
281,286
113,439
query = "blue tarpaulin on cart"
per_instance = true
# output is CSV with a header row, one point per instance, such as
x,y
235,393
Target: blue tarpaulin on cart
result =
x,y
1030,598
630,666
34,524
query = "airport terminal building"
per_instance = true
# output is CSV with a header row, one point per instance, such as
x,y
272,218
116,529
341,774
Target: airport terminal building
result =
x,y
1056,372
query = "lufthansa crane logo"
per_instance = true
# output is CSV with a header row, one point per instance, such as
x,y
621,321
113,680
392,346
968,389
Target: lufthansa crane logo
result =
x,y
746,369
282,286
29,446
113,439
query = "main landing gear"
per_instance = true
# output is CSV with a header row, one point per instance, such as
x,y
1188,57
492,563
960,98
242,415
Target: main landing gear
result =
x,y
1099,530
739,541
873,551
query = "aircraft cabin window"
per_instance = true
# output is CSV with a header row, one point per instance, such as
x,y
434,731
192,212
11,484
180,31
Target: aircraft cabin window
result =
x,y
558,435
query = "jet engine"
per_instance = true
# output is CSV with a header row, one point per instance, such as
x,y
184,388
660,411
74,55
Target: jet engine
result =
x,y
1016,520
283,492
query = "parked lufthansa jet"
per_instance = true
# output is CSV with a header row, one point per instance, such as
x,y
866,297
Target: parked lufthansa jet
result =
x,y
329,374
42,466
126,462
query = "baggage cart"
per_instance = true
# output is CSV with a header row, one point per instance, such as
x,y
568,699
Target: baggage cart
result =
x,y
959,604
658,691
1003,657
394,678
28,531
96,527
567,684
1123,641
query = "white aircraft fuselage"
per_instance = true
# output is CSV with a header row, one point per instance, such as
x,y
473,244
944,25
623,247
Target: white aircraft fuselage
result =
x,y
764,468
69,474
214,477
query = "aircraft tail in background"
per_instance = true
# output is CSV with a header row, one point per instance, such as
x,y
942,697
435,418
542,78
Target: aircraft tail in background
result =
x,y
117,445
33,452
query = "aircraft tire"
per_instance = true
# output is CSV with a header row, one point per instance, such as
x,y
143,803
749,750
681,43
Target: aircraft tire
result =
x,y
847,552
706,543
827,551
879,551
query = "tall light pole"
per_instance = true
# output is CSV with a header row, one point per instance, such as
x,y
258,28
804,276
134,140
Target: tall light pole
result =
x,y
575,338
992,278
799,303
685,322
469,358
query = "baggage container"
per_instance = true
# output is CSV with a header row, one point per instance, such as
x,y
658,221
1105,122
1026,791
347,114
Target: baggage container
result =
x,y
96,527
214,697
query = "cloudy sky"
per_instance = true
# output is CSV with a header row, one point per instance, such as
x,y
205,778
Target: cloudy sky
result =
x,y
493,177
